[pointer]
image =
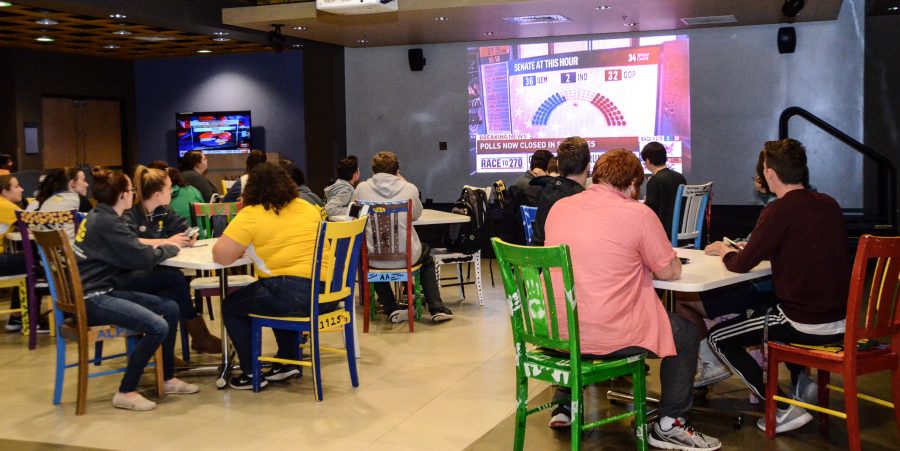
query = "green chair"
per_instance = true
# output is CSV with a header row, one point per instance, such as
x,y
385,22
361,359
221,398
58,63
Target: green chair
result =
x,y
526,278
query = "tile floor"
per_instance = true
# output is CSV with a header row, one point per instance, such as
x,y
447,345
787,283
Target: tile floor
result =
x,y
445,387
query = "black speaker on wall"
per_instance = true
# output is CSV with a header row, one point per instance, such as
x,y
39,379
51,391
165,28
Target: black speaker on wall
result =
x,y
416,60
787,40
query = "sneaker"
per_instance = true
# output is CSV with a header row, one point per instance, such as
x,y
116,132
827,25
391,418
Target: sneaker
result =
x,y
787,419
807,390
681,436
14,324
709,373
175,386
441,314
43,326
561,417
245,382
136,402
399,315
280,372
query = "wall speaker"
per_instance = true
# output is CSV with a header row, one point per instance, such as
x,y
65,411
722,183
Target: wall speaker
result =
x,y
787,40
416,60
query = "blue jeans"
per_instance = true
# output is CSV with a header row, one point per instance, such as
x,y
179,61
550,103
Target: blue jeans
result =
x,y
152,316
271,296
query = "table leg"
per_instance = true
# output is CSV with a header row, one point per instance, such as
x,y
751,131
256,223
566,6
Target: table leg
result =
x,y
227,359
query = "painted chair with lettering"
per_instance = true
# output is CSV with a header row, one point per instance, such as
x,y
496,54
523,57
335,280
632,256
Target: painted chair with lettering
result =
x,y
68,297
336,262
690,213
543,354
393,249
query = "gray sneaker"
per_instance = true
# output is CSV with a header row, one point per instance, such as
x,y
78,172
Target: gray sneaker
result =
x,y
682,436
787,419
400,315
709,373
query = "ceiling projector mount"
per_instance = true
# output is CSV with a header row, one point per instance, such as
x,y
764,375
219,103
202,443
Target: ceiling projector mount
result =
x,y
357,6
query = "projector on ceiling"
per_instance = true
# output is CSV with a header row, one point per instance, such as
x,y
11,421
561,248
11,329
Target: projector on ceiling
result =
x,y
356,6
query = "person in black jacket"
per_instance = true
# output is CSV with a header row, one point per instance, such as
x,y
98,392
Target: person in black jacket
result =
x,y
192,166
662,186
574,157
105,246
156,223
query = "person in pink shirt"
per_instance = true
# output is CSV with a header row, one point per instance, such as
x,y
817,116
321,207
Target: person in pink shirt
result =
x,y
617,246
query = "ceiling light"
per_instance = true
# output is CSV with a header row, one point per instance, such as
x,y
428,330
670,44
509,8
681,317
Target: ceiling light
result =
x,y
43,38
361,41
155,38
709,20
300,28
603,7
221,33
5,4
118,16
204,51
121,32
297,46
892,8
441,19
630,24
543,19
111,46
221,39
488,33
46,21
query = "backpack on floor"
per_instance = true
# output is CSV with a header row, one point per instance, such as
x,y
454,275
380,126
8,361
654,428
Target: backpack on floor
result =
x,y
467,237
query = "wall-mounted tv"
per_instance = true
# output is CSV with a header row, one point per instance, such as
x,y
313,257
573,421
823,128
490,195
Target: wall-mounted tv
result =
x,y
213,132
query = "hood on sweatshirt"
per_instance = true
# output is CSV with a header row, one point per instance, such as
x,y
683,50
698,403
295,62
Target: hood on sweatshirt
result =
x,y
386,185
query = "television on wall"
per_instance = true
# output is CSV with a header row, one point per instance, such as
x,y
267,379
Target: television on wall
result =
x,y
213,132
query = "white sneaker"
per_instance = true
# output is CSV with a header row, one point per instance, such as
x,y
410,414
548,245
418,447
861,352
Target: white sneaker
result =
x,y
787,419
399,315
681,436
709,373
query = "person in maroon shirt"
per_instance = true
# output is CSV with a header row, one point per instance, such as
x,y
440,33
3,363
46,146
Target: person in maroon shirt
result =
x,y
803,236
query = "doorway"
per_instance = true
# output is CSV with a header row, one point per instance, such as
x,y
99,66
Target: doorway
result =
x,y
81,132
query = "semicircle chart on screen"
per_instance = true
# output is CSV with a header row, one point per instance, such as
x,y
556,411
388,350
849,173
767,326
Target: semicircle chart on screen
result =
x,y
615,93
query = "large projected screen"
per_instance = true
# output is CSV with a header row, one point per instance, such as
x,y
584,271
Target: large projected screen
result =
x,y
613,92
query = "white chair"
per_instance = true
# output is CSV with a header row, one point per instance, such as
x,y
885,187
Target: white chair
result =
x,y
442,256
689,213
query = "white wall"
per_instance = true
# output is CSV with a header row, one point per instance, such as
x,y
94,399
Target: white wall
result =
x,y
739,86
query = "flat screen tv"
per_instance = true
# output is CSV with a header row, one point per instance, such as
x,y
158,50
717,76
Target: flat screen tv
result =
x,y
213,132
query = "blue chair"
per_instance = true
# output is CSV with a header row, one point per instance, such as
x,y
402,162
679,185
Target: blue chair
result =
x,y
529,214
68,297
337,255
690,212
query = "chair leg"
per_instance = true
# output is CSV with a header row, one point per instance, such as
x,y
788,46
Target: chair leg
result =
x,y
198,303
851,408
823,378
459,280
521,409
60,369
478,288
81,403
351,345
314,359
640,404
98,353
255,352
160,377
185,343
577,413
212,316
771,391
364,288
895,393
412,298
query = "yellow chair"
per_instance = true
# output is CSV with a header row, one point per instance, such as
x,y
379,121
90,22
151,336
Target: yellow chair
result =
x,y
18,281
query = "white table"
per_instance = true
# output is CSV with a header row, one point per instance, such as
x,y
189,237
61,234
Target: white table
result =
x,y
706,272
436,217
200,257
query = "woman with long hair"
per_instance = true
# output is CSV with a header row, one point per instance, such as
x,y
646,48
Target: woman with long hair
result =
x,y
282,231
60,190
106,246
155,224
183,195
11,264
193,167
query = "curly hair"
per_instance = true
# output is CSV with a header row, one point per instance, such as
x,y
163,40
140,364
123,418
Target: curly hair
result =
x,y
270,186
618,167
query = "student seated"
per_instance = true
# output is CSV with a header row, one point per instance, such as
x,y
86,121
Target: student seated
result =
x,y
105,246
338,194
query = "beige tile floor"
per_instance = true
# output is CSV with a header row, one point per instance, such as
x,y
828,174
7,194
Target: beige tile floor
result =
x,y
441,388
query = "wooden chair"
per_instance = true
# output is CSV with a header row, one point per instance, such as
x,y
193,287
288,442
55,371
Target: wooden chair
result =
x,y
529,215
384,224
69,221
526,278
202,215
336,262
68,297
873,313
690,212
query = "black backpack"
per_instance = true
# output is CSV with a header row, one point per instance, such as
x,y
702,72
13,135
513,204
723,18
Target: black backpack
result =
x,y
467,237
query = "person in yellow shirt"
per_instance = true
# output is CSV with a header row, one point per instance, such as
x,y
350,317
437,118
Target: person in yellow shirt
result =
x,y
10,196
278,232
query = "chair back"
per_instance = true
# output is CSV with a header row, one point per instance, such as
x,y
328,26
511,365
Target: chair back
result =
x,y
873,310
526,281
529,215
226,185
384,224
202,215
63,276
336,261
689,213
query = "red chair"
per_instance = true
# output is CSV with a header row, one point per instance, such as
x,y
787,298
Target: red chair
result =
x,y
861,353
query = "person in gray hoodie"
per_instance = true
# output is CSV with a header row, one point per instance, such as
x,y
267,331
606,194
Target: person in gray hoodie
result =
x,y
339,193
385,186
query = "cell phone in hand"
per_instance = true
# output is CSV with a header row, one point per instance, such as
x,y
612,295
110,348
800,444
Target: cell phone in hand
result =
x,y
192,232
731,243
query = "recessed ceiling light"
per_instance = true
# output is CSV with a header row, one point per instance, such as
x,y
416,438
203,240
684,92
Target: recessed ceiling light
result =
x,y
5,4
894,8
118,16
361,41
204,51
221,39
297,46
488,33
300,28
603,7
630,24
43,38
221,33
121,32
441,19
46,21
111,46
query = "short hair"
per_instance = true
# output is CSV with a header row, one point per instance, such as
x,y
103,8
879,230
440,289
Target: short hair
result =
x,y
760,176
255,157
574,156
6,182
5,158
293,171
147,182
553,166
108,185
54,181
190,160
346,168
270,186
787,157
655,153
618,167
386,162
540,159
